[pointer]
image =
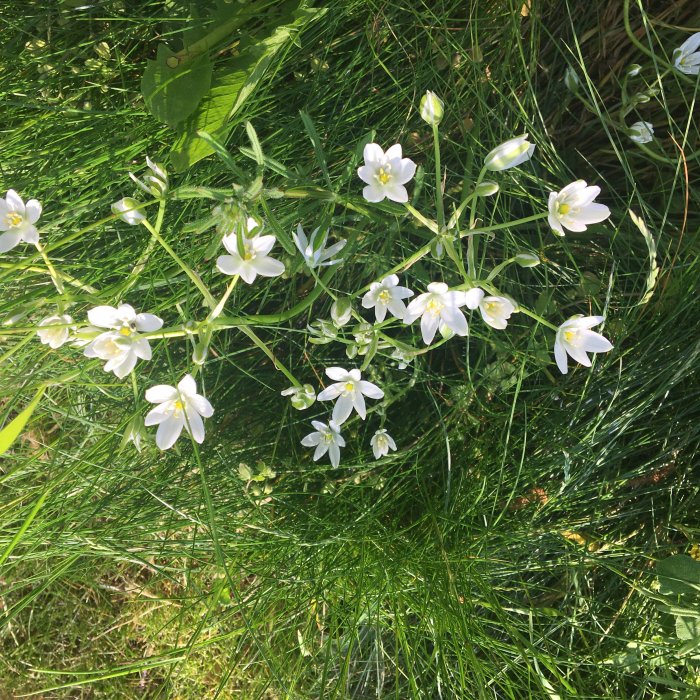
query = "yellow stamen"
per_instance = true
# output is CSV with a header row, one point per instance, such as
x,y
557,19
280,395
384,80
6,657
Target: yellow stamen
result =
x,y
564,209
126,331
349,386
434,306
383,176
179,406
569,336
385,296
13,219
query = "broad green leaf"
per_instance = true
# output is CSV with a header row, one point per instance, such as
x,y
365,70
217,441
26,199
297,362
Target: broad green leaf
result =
x,y
679,575
688,628
13,429
230,89
172,87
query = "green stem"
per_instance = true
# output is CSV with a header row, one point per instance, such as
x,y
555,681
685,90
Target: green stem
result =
x,y
278,365
439,204
55,277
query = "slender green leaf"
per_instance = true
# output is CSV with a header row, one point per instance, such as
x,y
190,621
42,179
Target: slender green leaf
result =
x,y
13,429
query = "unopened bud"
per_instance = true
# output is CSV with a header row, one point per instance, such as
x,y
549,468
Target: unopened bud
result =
x,y
486,189
527,260
432,108
341,311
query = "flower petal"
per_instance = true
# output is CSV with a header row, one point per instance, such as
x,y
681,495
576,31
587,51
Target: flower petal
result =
x,y
374,193
201,405
195,426
455,320
337,374
33,210
229,264
187,386
428,327
370,390
268,267
104,317
560,357
342,409
594,342
147,323
169,431
9,240
161,393
372,153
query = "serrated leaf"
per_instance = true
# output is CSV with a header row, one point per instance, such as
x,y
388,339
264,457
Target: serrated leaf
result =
x,y
14,428
172,87
679,575
653,274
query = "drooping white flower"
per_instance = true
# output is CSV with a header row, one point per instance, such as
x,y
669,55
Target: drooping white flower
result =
x,y
17,221
510,154
574,209
381,443
641,132
253,259
156,182
54,331
350,390
326,438
494,310
178,407
314,249
384,295
435,307
385,173
432,108
341,311
686,58
576,338
123,344
301,396
127,209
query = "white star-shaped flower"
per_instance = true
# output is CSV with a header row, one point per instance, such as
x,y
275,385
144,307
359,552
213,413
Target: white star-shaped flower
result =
x,y
349,389
385,173
178,407
386,295
494,310
54,331
438,306
314,249
686,58
17,221
574,209
381,443
576,338
326,438
123,344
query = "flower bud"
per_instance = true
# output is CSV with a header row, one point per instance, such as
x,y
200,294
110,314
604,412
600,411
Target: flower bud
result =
x,y
127,208
634,70
527,259
301,396
135,432
571,80
487,188
199,355
432,108
341,311
641,132
510,154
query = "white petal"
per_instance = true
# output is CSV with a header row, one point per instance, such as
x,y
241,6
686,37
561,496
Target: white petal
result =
x,y
374,193
691,44
14,202
123,368
268,267
161,393
104,317
373,153
396,193
320,450
141,348
158,414
406,171
262,245
329,393
337,374
195,426
311,440
560,356
579,354
428,327
187,386
201,405
359,404
455,320
342,409
473,297
366,174
9,240
247,273
394,152
380,312
355,375
33,211
594,342
30,233
147,323
371,390
334,454
593,214
229,264
169,431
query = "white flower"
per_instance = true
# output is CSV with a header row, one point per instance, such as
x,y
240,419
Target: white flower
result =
x,y
122,345
178,408
435,307
350,389
432,108
510,154
156,183
641,132
301,396
381,442
314,249
386,295
575,337
385,173
326,438
17,220
687,57
571,80
54,331
127,209
494,310
573,208
253,260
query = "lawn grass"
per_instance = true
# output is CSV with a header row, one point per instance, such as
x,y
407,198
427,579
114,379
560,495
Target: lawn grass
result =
x,y
507,549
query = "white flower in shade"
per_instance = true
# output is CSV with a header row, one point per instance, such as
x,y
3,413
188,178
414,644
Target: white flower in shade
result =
x,y
510,154
127,209
178,407
54,331
432,108
17,221
301,396
494,310
326,438
386,295
253,260
385,173
641,132
686,58
435,307
576,338
381,443
574,209
314,249
350,390
155,183
123,345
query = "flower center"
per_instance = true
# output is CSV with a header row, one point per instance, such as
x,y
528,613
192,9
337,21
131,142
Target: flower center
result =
x,y
434,306
382,442
178,406
349,387
248,252
125,331
328,437
564,209
384,174
385,296
13,219
569,336
491,306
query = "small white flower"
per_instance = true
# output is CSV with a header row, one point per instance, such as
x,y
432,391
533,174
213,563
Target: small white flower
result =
x,y
510,154
435,307
54,331
156,183
574,209
127,210
432,108
349,389
314,250
178,407
123,345
381,443
253,260
494,310
641,132
301,396
326,438
341,311
17,221
386,295
385,173
576,338
686,58
571,80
